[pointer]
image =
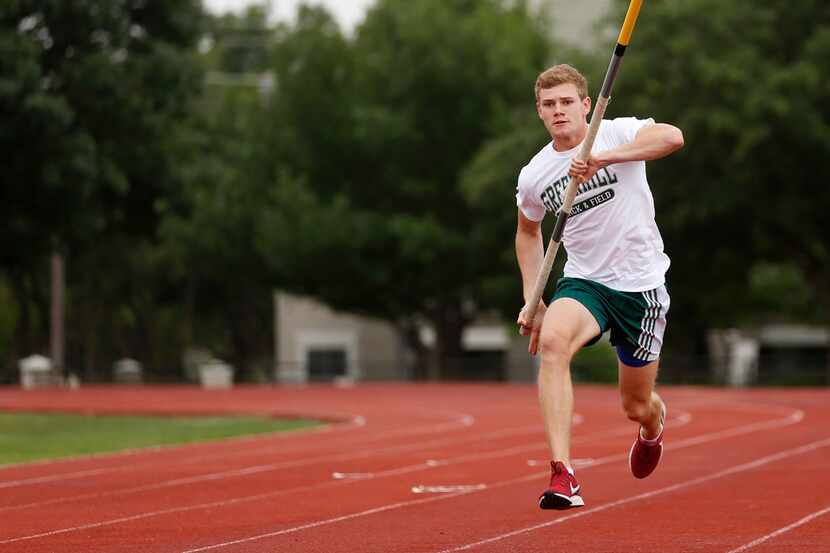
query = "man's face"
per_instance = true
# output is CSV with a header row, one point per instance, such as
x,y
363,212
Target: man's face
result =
x,y
561,110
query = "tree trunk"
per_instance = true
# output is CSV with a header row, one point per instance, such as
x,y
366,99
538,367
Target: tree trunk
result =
x,y
22,341
409,330
447,354
56,315
817,276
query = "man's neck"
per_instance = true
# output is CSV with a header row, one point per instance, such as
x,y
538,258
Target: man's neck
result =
x,y
563,144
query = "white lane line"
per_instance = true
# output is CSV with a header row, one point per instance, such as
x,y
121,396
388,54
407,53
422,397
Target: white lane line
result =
x,y
448,488
429,463
668,489
355,422
682,419
785,529
793,418
338,476
256,469
333,520
349,422
464,420
577,463
510,432
477,456
732,470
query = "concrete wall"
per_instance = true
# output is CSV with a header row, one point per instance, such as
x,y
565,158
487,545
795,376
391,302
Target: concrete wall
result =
x,y
372,347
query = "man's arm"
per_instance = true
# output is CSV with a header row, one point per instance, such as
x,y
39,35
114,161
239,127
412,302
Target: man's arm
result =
x,y
529,254
650,142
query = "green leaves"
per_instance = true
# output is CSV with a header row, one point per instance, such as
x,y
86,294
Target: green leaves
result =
x,y
745,84
92,95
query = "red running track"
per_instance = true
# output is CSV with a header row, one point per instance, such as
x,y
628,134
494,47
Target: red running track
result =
x,y
433,468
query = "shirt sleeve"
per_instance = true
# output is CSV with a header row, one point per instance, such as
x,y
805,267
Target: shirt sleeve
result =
x,y
626,128
531,206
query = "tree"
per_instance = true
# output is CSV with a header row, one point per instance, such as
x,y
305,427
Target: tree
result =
x,y
90,109
207,233
753,105
370,214
747,243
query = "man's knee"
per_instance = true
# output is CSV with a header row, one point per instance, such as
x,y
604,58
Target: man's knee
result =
x,y
555,348
637,409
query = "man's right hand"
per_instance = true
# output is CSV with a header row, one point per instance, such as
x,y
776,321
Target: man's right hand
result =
x,y
532,328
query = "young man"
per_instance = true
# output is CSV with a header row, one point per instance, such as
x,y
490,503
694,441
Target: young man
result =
x,y
615,274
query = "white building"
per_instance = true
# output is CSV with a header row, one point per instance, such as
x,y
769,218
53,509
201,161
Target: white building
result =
x,y
316,343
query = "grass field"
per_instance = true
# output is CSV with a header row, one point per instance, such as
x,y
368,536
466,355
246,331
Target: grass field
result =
x,y
30,437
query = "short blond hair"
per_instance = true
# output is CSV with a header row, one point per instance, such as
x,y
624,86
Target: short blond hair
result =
x,y
561,74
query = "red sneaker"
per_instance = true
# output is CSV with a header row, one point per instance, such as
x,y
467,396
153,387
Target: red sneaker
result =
x,y
645,454
563,492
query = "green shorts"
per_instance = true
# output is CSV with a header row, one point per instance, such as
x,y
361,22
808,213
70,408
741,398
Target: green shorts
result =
x,y
637,320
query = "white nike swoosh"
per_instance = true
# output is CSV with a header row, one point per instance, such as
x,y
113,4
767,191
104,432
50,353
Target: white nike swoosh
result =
x,y
573,490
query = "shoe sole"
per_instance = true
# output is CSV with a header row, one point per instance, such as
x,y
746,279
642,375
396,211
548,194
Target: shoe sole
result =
x,y
559,501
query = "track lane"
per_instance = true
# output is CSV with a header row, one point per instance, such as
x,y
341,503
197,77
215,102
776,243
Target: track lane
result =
x,y
173,529
163,511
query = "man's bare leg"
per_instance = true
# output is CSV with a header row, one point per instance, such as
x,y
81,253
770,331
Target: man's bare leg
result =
x,y
567,327
639,400
642,405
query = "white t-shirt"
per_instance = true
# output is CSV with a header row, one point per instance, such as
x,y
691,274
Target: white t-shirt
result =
x,y
610,236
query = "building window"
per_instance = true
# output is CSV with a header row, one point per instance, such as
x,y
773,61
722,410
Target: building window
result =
x,y
326,364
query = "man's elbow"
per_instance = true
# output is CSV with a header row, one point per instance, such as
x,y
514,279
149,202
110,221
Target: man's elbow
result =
x,y
524,235
674,139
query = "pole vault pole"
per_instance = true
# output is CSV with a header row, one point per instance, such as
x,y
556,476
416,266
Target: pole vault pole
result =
x,y
584,153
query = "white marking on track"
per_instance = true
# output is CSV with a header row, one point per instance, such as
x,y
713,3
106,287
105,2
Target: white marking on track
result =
x,y
328,521
275,466
738,468
351,475
356,421
784,530
794,417
668,489
421,488
682,419
430,463
577,463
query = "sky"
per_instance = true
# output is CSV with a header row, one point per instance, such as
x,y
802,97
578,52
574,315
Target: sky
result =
x,y
347,12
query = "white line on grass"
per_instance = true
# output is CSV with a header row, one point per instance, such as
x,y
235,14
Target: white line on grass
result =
x,y
780,531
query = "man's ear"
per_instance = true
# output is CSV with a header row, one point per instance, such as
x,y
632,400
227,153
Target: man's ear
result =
x,y
586,105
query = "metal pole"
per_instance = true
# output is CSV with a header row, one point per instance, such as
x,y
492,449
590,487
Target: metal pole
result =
x,y
584,153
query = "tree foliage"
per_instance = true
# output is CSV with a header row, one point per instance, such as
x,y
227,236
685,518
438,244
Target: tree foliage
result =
x,y
371,215
740,219
90,95
376,170
746,190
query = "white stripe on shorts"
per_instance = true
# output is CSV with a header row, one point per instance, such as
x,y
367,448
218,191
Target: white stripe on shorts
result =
x,y
653,325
